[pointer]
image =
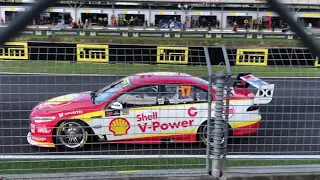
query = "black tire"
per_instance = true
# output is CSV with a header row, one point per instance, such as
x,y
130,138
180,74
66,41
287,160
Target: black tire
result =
x,y
202,131
80,139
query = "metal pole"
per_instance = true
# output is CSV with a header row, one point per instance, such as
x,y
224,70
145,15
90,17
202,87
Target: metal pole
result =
x,y
218,125
22,20
221,18
283,12
208,62
227,83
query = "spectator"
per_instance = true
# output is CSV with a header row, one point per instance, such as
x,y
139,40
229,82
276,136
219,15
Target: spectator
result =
x,y
260,25
125,21
273,25
269,22
131,21
246,22
235,26
218,23
214,23
255,24
100,21
146,22
186,22
113,21
105,21
160,23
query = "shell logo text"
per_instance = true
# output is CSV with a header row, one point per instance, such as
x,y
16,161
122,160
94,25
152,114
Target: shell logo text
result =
x,y
119,126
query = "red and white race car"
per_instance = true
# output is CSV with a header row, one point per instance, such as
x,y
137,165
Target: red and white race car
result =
x,y
146,108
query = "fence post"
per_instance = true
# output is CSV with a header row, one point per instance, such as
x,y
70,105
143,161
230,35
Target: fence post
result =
x,y
228,89
218,132
208,62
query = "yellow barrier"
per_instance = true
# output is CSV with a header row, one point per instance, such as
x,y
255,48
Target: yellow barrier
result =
x,y
252,57
316,62
92,53
14,50
175,55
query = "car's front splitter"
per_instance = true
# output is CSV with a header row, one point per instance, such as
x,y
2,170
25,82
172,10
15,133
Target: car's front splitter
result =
x,y
37,143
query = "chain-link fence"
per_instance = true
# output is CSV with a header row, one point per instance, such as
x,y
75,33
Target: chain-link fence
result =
x,y
109,108
288,132
124,110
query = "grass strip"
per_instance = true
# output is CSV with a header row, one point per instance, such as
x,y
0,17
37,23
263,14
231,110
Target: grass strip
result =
x,y
124,69
235,42
28,166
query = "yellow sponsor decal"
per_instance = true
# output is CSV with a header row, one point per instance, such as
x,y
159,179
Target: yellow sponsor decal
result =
x,y
47,144
243,123
92,53
88,116
316,62
252,57
14,50
61,99
310,15
175,55
119,126
88,11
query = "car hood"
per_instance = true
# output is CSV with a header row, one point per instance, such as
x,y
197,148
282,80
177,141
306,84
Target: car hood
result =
x,y
75,101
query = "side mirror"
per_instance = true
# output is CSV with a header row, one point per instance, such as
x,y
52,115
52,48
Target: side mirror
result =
x,y
116,105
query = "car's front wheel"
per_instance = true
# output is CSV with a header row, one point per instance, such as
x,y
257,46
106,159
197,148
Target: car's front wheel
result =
x,y
71,135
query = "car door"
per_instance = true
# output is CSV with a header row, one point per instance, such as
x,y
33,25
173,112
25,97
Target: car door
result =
x,y
181,109
134,119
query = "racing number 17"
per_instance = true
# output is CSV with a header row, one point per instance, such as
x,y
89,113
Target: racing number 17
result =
x,y
185,91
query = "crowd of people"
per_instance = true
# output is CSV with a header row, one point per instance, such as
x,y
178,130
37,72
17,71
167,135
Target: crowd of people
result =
x,y
208,22
261,23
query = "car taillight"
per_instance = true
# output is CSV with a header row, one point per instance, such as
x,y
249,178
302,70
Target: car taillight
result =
x,y
253,108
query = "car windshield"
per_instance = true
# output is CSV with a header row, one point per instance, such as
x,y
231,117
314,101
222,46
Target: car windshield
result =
x,y
105,93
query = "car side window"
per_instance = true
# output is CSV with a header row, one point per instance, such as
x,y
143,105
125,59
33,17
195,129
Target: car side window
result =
x,y
181,94
201,94
178,94
139,97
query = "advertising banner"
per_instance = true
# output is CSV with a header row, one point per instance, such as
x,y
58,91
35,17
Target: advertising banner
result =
x,y
159,34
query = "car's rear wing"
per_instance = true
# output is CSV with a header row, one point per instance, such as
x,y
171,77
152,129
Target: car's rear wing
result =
x,y
265,90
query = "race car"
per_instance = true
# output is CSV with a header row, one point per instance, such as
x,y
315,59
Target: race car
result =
x,y
145,108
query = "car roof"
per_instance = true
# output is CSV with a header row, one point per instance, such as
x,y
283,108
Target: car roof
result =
x,y
164,78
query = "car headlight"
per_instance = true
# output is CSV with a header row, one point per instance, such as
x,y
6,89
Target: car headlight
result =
x,y
43,119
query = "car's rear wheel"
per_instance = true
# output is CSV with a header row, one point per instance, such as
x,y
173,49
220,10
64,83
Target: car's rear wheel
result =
x,y
71,135
202,133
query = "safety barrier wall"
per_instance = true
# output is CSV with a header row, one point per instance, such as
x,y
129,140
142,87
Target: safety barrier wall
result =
x,y
164,33
109,53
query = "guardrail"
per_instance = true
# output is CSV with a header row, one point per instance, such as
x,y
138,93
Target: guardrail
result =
x,y
111,53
